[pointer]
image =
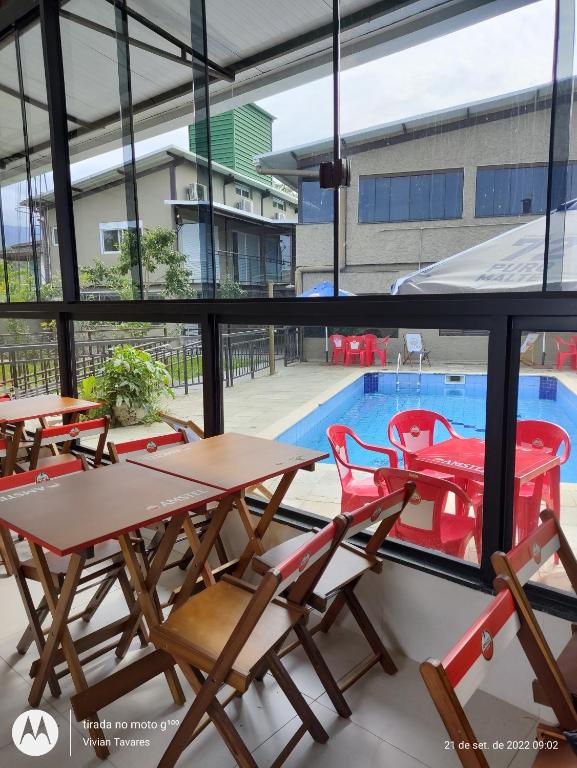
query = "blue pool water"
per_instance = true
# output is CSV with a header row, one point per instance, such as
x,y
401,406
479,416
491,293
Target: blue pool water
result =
x,y
368,403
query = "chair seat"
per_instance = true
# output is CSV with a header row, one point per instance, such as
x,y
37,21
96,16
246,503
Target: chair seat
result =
x,y
454,528
563,757
346,565
49,461
59,565
567,662
199,630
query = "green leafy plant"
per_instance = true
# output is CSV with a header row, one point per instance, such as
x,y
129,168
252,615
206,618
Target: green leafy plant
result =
x,y
88,389
157,251
231,289
133,379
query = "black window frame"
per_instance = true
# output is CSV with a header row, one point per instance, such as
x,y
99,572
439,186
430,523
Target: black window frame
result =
x,y
505,316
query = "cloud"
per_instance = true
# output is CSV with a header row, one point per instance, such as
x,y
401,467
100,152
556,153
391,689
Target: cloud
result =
x,y
506,53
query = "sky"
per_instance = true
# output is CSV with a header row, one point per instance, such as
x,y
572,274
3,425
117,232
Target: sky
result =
x,y
507,53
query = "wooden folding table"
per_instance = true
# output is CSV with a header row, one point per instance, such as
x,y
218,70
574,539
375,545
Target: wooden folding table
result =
x,y
23,409
233,462
68,516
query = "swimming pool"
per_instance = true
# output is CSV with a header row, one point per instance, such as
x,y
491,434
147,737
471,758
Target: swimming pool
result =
x,y
370,401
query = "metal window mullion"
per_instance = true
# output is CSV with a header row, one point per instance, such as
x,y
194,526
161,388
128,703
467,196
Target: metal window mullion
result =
x,y
213,405
336,142
501,398
27,162
201,97
559,137
58,118
127,129
3,245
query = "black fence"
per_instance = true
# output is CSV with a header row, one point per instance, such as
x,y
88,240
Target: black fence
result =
x,y
29,369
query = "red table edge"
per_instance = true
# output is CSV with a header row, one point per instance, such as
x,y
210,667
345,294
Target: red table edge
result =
x,y
57,412
109,537
231,489
553,462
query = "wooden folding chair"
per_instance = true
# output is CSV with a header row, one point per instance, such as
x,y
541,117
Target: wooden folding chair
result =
x,y
101,570
343,573
227,632
453,681
520,564
60,439
130,449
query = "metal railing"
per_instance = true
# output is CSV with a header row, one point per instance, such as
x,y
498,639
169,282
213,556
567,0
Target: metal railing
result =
x,y
32,369
246,352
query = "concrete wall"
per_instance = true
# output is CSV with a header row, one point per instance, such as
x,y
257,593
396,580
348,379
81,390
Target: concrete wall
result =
x,y
375,255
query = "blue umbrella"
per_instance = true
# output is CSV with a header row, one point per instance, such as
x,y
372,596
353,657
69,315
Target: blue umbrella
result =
x,y
322,290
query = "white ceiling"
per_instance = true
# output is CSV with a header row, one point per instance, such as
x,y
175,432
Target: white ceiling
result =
x,y
236,32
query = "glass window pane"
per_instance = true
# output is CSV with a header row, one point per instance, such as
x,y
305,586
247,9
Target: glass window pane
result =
x,y
420,197
305,389
400,209
545,465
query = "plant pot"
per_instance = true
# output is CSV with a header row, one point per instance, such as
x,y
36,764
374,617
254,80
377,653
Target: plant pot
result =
x,y
127,416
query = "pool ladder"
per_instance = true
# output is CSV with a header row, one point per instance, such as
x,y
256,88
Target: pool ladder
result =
x,y
397,384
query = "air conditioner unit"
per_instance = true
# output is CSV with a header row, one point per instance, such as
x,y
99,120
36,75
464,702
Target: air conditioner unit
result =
x,y
196,192
244,205
279,216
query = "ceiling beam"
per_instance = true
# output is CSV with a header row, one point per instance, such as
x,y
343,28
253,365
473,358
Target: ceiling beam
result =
x,y
133,42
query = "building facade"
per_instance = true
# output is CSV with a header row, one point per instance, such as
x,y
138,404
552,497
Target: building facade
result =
x,y
254,220
424,189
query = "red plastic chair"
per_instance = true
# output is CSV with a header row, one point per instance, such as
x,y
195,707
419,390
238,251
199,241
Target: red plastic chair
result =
x,y
565,350
375,346
424,520
337,345
549,437
354,348
415,429
355,491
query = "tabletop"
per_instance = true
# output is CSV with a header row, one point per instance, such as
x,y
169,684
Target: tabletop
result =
x,y
468,455
24,408
76,511
231,461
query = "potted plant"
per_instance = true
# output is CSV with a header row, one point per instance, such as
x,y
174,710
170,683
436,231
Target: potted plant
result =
x,y
132,384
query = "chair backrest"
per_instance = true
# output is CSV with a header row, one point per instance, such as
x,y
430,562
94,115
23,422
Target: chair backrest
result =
x,y
414,342
452,681
383,512
337,341
370,340
192,430
565,346
298,574
427,503
337,437
514,569
355,343
544,435
121,451
415,429
523,561
65,434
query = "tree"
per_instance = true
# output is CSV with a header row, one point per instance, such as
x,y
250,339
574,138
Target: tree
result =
x,y
231,289
157,250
